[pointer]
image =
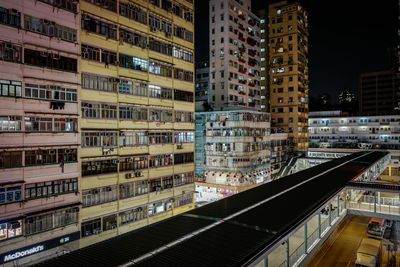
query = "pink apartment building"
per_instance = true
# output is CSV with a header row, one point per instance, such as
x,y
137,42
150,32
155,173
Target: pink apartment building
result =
x,y
39,171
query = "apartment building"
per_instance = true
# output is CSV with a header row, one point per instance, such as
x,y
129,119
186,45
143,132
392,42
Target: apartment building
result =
x,y
39,170
236,149
137,126
234,56
332,133
379,93
288,73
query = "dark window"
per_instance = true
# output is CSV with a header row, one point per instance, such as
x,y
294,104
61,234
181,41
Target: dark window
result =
x,y
99,167
51,188
69,5
110,5
50,60
183,158
183,75
10,52
10,159
183,96
10,17
10,194
132,38
133,12
97,26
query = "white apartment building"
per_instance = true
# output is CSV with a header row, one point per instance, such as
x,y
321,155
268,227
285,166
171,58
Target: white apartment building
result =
x,y
234,56
332,134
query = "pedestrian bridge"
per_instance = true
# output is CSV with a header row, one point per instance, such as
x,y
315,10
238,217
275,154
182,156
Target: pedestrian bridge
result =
x,y
276,224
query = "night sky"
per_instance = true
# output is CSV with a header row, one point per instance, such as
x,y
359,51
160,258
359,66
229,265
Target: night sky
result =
x,y
347,37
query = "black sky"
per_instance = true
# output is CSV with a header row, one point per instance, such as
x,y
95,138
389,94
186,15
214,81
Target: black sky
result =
x,y
347,37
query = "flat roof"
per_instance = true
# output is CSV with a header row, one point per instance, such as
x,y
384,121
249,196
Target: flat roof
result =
x,y
233,231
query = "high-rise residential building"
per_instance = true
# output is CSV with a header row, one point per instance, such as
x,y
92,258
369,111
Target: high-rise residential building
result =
x,y
288,73
39,170
378,93
234,56
137,125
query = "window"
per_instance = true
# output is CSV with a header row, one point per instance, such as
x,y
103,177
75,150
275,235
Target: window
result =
x,y
50,92
109,222
160,47
183,200
158,68
159,115
10,17
183,54
183,158
10,194
50,156
10,159
49,60
10,52
99,111
134,63
49,28
133,12
10,88
133,215
184,137
68,5
94,25
160,138
185,96
132,87
160,92
10,123
182,33
10,229
110,5
156,161
99,196
133,113
44,222
159,207
183,75
98,167
92,227
133,163
183,116
99,139
183,179
132,38
101,83
38,124
51,188
133,138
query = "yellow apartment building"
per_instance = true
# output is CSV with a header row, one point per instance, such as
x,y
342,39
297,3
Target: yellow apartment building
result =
x,y
288,71
137,120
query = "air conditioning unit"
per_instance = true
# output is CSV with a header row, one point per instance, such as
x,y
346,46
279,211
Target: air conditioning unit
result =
x,y
138,174
153,29
179,146
129,175
168,34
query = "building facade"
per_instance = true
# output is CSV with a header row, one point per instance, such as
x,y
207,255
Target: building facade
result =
x,y
39,170
379,93
234,56
332,134
202,85
235,152
137,101
288,73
